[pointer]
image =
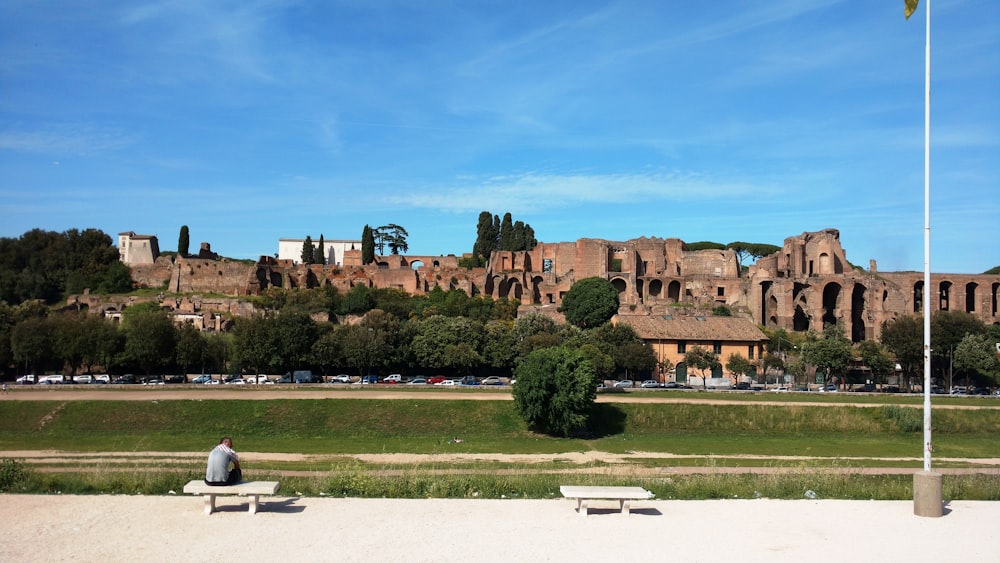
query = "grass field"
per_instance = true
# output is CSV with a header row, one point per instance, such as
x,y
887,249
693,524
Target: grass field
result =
x,y
816,447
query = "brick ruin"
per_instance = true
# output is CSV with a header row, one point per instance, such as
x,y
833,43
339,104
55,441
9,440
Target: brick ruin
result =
x,y
806,285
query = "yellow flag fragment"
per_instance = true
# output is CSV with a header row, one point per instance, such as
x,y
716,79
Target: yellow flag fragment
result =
x,y
911,6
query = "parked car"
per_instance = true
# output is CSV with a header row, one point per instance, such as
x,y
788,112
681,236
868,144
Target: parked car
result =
x,y
780,389
369,380
624,384
434,380
154,381
448,383
50,380
102,378
468,380
393,378
203,378
417,381
25,380
828,389
340,378
491,380
84,379
305,376
671,385
128,378
650,384
258,379
176,379
742,386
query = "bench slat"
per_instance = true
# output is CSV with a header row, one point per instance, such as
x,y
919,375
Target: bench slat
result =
x,y
247,488
635,493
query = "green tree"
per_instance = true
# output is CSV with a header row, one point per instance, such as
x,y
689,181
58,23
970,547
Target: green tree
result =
x,y
367,246
976,355
877,359
191,347
117,278
487,234
308,254
31,342
948,328
393,236
183,242
753,250
590,302
830,354
358,300
703,360
321,251
296,333
738,366
150,340
506,241
255,343
904,339
555,391
447,342
365,348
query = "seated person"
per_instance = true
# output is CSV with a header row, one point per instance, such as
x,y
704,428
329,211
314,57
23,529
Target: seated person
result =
x,y
218,473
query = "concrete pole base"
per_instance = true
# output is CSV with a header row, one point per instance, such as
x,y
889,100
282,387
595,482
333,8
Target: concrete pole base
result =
x,y
927,499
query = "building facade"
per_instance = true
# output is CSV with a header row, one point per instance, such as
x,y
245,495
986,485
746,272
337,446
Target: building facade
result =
x,y
137,249
333,250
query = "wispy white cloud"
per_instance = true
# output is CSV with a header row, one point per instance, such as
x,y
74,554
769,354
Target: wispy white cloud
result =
x,y
525,192
76,139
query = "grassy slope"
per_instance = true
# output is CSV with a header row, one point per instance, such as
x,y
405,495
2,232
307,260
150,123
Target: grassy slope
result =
x,y
424,426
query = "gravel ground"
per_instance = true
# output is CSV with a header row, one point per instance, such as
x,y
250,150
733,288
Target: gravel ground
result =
x,y
174,528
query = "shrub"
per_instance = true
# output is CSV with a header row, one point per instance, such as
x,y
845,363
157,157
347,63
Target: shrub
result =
x,y
14,475
555,390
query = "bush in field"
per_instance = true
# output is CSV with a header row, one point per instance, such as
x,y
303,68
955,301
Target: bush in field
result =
x,y
555,390
13,475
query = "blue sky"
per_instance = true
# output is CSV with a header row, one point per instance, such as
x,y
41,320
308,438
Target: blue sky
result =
x,y
251,121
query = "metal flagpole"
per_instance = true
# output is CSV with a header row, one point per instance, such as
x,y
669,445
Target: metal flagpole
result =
x,y
927,489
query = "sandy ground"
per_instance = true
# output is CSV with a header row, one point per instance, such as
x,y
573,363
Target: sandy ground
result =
x,y
174,528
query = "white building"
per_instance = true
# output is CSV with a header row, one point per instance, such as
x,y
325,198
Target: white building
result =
x,y
139,249
291,249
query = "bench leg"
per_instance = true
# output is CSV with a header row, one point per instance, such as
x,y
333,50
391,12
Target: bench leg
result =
x,y
254,503
626,507
581,507
209,504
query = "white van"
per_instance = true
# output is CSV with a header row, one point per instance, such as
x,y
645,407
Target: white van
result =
x,y
50,380
83,378
25,380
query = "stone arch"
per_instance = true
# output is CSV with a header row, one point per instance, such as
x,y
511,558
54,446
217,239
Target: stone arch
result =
x,y
831,304
416,264
620,285
510,288
824,263
436,263
536,291
800,320
945,295
768,303
995,298
655,288
858,309
674,292
970,297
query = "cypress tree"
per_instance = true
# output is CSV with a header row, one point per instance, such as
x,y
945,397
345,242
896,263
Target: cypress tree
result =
x,y
506,233
183,241
308,252
367,246
321,251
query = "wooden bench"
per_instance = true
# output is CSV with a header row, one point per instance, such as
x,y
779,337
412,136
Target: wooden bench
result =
x,y
624,496
252,489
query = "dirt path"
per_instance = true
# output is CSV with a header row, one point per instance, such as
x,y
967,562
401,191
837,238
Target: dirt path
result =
x,y
269,392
